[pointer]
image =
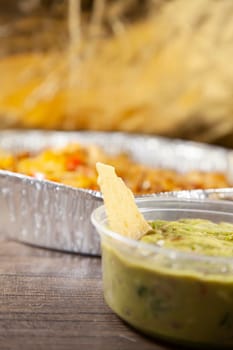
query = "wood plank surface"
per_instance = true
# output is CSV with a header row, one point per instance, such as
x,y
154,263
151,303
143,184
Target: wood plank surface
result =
x,y
52,300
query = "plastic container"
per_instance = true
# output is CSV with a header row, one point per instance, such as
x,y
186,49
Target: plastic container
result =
x,y
182,297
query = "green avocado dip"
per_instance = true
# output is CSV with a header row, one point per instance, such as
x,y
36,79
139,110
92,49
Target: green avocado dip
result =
x,y
185,295
193,235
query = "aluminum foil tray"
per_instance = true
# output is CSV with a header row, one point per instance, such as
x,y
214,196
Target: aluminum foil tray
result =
x,y
57,216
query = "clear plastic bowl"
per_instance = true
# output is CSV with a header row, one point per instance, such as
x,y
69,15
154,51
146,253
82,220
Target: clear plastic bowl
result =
x,y
182,297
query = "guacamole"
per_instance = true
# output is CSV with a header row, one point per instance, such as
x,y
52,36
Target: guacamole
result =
x,y
189,302
193,235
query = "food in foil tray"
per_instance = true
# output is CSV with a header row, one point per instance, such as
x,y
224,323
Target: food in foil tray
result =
x,y
74,165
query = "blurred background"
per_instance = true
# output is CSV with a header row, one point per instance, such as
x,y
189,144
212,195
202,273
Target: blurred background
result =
x,y
162,67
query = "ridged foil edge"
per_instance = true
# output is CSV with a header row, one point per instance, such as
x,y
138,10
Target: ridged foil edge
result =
x,y
55,216
47,214
225,194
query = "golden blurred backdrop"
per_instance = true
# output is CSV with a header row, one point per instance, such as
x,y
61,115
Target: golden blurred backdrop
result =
x,y
154,66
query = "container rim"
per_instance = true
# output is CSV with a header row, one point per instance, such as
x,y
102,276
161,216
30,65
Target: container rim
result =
x,y
174,254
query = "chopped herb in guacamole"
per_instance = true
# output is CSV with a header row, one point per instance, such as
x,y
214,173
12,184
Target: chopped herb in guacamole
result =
x,y
196,235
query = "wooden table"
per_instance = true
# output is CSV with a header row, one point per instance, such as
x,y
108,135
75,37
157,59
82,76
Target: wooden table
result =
x,y
52,300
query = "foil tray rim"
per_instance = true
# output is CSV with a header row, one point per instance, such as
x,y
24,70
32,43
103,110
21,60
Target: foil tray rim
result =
x,y
57,216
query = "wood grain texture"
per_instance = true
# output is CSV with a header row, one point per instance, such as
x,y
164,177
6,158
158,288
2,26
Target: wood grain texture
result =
x,y
51,300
